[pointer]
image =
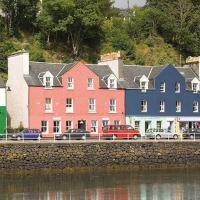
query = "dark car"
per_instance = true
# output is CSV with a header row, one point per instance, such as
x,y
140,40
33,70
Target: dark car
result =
x,y
191,133
28,134
77,134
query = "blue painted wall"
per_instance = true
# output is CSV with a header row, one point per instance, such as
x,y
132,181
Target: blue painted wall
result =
x,y
170,76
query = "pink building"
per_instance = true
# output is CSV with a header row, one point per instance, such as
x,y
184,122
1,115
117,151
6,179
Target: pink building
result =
x,y
56,97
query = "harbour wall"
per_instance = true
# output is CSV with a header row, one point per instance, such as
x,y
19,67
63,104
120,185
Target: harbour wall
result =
x,y
94,154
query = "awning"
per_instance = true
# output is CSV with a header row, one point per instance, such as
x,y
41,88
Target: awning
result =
x,y
189,119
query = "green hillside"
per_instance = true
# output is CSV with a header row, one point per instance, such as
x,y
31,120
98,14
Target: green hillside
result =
x,y
68,30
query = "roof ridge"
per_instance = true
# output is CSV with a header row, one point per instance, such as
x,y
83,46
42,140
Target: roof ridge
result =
x,y
51,63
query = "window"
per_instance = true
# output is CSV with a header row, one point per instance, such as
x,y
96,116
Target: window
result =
x,y
94,126
68,125
177,87
144,106
195,87
48,105
44,126
162,87
137,125
90,83
162,106
105,122
116,122
92,105
195,106
70,83
143,85
158,124
56,126
112,83
112,105
178,106
69,105
48,82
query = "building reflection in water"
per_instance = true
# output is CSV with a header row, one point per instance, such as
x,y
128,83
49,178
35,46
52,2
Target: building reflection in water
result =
x,y
153,185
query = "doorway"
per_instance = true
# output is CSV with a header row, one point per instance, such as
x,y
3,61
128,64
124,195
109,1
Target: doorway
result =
x,y
82,124
147,125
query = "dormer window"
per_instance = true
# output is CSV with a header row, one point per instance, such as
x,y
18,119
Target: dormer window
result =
x,y
144,83
195,85
112,82
48,80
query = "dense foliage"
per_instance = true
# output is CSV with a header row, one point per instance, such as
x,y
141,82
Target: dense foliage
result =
x,y
64,30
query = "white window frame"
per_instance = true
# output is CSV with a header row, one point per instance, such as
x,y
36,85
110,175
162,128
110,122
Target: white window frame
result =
x,y
112,82
137,125
178,106
69,105
195,106
159,124
90,83
91,105
177,87
70,83
44,126
162,106
67,126
117,122
94,126
48,80
144,82
48,105
112,106
195,87
144,105
162,87
105,122
57,126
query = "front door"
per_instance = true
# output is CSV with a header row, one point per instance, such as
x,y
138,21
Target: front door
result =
x,y
82,124
147,125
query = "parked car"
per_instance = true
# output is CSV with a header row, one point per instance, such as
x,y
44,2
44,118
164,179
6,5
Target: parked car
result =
x,y
155,133
77,134
120,132
27,134
191,133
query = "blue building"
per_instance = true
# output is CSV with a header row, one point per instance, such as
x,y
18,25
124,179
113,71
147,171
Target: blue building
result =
x,y
161,97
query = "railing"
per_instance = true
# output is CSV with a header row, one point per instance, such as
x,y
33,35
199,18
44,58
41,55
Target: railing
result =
x,y
98,137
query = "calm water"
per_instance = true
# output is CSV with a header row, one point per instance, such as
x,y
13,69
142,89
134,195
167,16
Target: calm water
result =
x,y
124,185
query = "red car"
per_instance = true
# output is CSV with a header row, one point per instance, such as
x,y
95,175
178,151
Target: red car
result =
x,y
120,132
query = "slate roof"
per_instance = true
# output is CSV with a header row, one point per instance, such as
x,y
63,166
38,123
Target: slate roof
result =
x,y
130,79
2,83
133,73
38,69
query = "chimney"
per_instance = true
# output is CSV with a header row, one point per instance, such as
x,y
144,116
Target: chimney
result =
x,y
194,63
114,61
19,60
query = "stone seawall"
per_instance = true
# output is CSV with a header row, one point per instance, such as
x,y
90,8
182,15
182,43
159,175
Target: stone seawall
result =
x,y
67,155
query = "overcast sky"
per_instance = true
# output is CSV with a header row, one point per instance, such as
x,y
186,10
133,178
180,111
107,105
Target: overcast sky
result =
x,y
123,3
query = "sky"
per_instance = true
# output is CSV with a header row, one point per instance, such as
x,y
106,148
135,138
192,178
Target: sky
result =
x,y
123,3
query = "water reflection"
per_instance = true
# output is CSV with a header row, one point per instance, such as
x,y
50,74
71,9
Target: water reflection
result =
x,y
124,185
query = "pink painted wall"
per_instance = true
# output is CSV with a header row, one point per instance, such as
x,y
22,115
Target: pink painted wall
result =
x,y
80,95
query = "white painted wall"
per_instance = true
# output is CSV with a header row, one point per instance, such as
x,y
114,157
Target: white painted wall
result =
x,y
113,64
17,98
2,97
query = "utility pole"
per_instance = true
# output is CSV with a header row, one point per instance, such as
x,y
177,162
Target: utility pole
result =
x,y
128,8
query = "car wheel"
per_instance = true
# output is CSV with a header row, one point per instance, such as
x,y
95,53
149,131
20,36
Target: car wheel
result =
x,y
158,137
135,137
64,137
175,137
191,137
19,138
83,137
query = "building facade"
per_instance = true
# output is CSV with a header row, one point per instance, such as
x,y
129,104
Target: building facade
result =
x,y
56,97
3,112
162,97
